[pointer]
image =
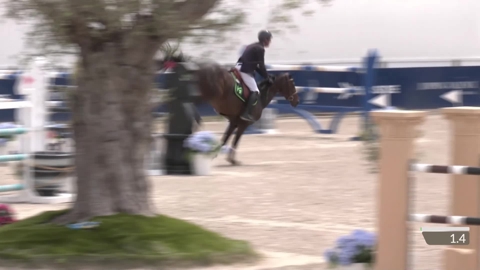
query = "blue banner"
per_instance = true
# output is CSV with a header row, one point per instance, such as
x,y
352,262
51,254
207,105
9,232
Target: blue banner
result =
x,y
405,88
433,87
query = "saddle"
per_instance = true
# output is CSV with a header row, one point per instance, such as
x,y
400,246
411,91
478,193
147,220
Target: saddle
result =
x,y
241,89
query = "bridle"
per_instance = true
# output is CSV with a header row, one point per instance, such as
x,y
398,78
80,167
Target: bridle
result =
x,y
290,98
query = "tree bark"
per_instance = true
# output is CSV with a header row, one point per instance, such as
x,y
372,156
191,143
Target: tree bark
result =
x,y
112,126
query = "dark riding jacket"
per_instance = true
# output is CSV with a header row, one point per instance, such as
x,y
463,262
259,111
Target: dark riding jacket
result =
x,y
253,59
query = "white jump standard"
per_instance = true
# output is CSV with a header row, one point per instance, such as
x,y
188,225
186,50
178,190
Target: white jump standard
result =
x,y
26,191
32,115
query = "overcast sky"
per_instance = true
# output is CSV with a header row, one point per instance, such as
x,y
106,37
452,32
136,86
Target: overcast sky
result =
x,y
345,30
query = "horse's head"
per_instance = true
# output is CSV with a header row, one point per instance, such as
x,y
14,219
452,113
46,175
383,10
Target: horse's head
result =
x,y
170,61
286,87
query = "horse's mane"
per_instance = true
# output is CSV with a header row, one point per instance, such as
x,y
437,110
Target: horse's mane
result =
x,y
263,86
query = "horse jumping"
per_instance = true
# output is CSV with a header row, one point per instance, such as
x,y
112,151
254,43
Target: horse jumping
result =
x,y
225,91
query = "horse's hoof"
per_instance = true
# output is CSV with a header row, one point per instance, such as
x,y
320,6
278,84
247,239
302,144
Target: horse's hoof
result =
x,y
225,149
233,161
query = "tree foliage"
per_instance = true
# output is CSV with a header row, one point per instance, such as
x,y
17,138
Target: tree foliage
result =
x,y
63,27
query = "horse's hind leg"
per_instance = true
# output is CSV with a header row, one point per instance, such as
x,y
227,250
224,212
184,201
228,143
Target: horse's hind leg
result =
x,y
240,130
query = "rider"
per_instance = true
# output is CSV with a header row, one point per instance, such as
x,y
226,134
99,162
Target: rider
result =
x,y
253,59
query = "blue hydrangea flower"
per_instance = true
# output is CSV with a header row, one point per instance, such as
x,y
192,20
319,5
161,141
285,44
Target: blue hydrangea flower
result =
x,y
345,241
202,141
356,247
345,258
364,238
330,255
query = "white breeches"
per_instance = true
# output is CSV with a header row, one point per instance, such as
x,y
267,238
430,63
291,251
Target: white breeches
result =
x,y
248,79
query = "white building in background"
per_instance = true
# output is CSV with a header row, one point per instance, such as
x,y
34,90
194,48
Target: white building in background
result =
x,y
345,30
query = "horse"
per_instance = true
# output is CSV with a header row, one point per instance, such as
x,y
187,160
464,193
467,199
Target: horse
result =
x,y
218,87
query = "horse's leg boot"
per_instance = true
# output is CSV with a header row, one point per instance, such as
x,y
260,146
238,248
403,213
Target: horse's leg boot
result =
x,y
247,115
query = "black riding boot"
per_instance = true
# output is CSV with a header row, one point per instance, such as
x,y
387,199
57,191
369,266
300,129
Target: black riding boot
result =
x,y
247,115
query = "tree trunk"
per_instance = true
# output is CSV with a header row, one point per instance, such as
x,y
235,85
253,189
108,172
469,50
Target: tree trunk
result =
x,y
112,127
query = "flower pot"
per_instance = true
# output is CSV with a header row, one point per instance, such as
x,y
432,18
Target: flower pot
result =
x,y
153,164
51,171
357,266
53,159
202,164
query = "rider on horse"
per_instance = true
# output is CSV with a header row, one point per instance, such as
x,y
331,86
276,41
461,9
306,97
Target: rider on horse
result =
x,y
253,59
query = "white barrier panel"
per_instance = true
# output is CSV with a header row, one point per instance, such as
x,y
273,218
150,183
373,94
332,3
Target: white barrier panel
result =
x,y
328,90
33,83
311,68
266,123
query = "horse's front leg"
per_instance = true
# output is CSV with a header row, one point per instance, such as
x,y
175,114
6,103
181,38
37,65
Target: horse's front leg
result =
x,y
241,127
228,132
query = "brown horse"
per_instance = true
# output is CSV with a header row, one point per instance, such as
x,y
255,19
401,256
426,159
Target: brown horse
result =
x,y
216,86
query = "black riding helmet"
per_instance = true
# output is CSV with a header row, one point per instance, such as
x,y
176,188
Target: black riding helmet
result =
x,y
264,35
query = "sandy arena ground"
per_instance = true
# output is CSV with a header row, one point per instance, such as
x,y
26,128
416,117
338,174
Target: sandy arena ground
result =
x,y
296,193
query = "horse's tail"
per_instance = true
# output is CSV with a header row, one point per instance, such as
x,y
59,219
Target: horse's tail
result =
x,y
210,78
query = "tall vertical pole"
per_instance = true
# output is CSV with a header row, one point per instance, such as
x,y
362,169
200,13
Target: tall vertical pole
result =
x,y
398,130
369,81
465,199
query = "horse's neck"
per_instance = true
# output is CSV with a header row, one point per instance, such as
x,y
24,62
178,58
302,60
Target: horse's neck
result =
x,y
268,94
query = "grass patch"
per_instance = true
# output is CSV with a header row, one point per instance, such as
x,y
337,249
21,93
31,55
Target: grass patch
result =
x,y
120,242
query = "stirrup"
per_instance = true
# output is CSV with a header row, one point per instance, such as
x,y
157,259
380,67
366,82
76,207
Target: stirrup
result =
x,y
247,118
